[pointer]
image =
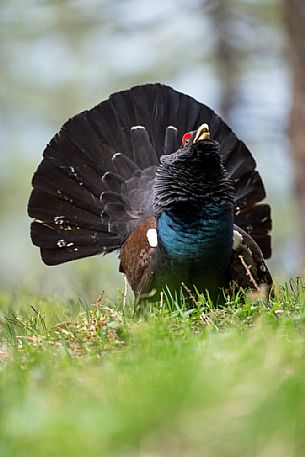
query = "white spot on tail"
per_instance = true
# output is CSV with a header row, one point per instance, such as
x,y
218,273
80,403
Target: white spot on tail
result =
x,y
59,220
237,240
137,127
151,235
64,244
172,127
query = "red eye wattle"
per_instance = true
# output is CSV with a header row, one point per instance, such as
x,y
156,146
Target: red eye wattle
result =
x,y
185,138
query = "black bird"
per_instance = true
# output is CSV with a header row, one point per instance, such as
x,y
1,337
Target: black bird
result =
x,y
161,178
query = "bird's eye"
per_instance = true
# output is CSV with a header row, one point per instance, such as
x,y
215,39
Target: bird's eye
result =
x,y
186,139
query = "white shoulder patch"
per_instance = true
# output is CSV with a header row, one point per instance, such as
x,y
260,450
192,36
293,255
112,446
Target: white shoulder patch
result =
x,y
237,239
151,235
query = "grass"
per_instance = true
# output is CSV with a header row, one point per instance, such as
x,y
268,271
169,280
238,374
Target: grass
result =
x,y
79,380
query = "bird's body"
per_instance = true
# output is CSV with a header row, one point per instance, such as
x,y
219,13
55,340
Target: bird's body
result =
x,y
118,178
194,229
198,248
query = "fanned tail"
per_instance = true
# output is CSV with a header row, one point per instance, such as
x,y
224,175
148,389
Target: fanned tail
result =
x,y
95,182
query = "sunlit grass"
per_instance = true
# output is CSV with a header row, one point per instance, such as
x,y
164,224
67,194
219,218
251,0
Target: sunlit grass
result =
x,y
79,379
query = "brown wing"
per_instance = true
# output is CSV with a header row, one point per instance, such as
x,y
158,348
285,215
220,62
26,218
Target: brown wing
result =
x,y
136,258
248,268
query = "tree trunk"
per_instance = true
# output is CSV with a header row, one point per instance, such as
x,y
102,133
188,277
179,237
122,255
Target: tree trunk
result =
x,y
227,57
294,14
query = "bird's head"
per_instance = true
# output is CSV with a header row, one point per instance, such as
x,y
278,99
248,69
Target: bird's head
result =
x,y
197,151
193,173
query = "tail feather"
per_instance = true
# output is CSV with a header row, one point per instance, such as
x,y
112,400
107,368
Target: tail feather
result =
x,y
67,185
47,208
68,159
104,121
171,140
264,242
53,257
67,148
151,105
124,166
142,147
237,159
97,174
113,181
256,221
50,236
249,190
111,197
144,108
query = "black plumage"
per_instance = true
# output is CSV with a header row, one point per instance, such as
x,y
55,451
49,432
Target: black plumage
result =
x,y
96,189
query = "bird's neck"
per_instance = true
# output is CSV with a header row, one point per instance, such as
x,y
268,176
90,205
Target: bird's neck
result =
x,y
200,236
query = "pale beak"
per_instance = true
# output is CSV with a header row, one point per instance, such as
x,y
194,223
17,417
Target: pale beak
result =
x,y
203,133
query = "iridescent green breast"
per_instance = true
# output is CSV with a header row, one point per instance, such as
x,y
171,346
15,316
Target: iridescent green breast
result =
x,y
195,247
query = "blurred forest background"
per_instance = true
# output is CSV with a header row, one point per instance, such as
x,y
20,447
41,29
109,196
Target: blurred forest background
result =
x,y
61,57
